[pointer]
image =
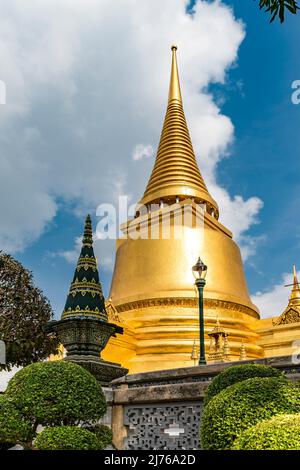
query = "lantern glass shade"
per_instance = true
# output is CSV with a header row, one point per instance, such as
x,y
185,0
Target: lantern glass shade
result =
x,y
199,269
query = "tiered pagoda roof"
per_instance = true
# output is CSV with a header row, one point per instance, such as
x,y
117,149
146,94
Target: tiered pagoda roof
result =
x,y
85,296
292,312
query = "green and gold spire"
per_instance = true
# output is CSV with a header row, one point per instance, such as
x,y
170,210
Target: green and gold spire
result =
x,y
85,297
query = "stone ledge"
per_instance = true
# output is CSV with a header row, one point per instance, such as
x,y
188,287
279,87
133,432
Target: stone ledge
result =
x,y
160,393
196,374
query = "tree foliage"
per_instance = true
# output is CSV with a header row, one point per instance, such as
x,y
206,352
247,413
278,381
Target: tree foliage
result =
x,y
24,311
66,438
278,8
13,427
57,393
236,374
279,433
243,405
104,434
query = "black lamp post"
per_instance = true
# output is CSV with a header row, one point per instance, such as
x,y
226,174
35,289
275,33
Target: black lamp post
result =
x,y
200,271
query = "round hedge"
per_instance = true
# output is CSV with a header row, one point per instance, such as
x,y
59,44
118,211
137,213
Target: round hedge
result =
x,y
243,405
236,374
66,438
13,428
279,433
57,392
104,434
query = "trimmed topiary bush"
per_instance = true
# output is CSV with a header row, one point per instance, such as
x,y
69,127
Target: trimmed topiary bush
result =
x,y
66,438
236,374
243,405
104,434
282,432
57,393
13,428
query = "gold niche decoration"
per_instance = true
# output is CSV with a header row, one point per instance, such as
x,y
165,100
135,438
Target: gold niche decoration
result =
x,y
195,353
219,345
112,312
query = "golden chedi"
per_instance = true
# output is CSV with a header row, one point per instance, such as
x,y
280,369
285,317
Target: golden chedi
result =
x,y
152,293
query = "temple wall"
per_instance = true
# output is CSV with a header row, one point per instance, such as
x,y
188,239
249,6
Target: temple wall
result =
x,y
279,340
163,409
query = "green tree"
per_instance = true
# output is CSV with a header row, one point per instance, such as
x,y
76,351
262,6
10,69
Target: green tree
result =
x,y
278,8
236,374
14,429
244,404
67,438
103,433
24,311
57,393
281,432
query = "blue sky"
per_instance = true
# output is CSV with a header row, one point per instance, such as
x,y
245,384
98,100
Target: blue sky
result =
x,y
252,90
265,156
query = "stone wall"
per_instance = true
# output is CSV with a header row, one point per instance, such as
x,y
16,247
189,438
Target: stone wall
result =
x,y
107,418
162,409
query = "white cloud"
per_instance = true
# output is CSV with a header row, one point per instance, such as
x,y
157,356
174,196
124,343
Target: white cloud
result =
x,y
86,81
142,151
248,245
272,302
239,215
71,256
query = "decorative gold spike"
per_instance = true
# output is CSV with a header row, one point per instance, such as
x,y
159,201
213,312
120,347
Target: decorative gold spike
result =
x,y
243,355
226,349
174,90
292,312
194,355
295,274
295,294
176,174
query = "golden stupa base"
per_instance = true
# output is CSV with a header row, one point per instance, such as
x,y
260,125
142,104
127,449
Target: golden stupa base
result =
x,y
158,337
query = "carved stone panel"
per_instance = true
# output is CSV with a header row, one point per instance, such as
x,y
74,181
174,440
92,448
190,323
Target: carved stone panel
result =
x,y
169,426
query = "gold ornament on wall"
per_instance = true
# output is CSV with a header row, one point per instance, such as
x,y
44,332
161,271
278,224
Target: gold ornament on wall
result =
x,y
219,345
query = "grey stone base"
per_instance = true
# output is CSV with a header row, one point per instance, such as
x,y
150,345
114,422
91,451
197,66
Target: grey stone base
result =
x,y
103,371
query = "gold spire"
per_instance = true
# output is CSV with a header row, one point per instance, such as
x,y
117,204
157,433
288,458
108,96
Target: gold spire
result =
x,y
292,312
176,173
217,329
174,90
226,349
295,294
243,354
194,354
